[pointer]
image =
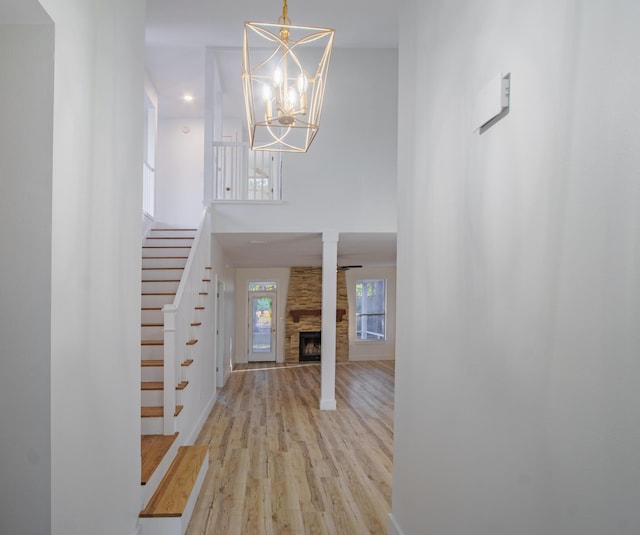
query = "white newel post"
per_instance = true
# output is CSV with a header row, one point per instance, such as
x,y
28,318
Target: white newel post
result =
x,y
329,304
169,392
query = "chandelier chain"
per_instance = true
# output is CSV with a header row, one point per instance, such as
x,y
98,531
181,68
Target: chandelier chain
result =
x,y
284,19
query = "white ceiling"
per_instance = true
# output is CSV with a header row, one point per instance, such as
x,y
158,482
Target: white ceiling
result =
x,y
177,33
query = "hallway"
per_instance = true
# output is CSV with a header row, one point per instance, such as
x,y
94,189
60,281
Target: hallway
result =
x,y
279,465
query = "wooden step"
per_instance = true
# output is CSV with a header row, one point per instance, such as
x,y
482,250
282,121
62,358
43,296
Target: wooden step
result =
x,y
152,342
164,258
196,324
174,491
206,280
158,412
150,363
159,385
170,238
198,308
192,342
152,324
187,362
160,280
152,450
174,229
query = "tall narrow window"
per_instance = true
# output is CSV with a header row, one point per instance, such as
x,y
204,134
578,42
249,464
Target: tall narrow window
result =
x,y
370,309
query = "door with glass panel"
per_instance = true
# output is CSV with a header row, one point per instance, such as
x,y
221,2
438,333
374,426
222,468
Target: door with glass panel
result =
x,y
262,327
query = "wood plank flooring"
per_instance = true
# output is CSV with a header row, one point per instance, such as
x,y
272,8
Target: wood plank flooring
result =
x,y
279,465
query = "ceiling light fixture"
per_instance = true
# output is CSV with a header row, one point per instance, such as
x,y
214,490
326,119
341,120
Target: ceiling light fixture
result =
x,y
284,75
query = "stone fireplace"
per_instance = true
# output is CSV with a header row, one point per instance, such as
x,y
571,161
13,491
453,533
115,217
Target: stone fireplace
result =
x,y
304,311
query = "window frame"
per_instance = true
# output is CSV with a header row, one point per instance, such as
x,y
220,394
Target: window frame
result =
x,y
382,314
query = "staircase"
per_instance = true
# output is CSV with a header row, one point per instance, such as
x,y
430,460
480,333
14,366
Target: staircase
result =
x,y
172,473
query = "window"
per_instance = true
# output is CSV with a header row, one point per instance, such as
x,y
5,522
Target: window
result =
x,y
262,286
370,309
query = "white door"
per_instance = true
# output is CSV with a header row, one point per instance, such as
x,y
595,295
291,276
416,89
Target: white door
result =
x,y
262,327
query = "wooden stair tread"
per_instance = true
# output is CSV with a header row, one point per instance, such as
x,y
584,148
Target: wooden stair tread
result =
x,y
174,229
203,293
160,280
159,385
150,363
164,258
166,246
158,293
198,308
196,324
151,308
206,280
187,362
162,268
170,237
152,449
152,325
152,342
192,342
158,412
170,499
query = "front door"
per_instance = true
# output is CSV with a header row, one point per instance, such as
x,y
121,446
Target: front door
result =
x,y
262,327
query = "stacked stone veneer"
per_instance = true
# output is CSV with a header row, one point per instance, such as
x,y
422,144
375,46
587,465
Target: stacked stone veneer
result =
x,y
305,293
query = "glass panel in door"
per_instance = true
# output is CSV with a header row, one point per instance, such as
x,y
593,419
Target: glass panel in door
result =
x,y
262,327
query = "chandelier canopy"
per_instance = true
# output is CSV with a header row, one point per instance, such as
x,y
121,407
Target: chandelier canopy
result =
x,y
284,75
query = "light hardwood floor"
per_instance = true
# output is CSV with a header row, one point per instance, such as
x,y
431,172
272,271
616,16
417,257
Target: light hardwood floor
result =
x,y
279,465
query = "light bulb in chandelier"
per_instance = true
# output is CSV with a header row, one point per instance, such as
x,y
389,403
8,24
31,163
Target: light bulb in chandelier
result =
x,y
284,76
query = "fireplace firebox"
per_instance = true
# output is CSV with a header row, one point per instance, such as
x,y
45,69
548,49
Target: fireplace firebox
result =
x,y
310,346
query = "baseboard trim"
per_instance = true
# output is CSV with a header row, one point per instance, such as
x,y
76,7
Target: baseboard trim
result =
x,y
195,431
392,527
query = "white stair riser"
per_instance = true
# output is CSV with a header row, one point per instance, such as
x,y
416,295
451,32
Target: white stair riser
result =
x,y
158,286
151,426
152,333
151,316
152,373
151,352
162,262
156,300
161,274
158,232
150,398
164,251
169,242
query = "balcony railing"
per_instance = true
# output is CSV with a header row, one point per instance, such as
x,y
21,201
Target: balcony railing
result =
x,y
240,174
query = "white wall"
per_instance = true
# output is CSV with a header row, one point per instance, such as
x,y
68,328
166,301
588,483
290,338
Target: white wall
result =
x,y
179,171
226,275
243,277
518,260
26,146
369,349
95,273
347,179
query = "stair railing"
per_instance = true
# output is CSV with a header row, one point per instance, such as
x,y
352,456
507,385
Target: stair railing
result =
x,y
179,315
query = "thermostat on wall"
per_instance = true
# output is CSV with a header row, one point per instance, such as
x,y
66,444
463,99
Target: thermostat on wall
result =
x,y
492,103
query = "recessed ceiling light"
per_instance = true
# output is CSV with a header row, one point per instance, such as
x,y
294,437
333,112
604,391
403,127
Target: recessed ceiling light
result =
x,y
187,98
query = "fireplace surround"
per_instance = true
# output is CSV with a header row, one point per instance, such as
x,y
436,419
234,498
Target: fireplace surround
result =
x,y
310,346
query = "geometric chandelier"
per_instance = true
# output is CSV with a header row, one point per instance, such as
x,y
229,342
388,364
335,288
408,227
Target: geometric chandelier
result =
x,y
284,76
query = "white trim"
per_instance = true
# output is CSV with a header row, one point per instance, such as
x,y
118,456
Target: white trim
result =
x,y
392,527
327,404
195,431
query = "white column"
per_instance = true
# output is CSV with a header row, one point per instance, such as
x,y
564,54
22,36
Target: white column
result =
x,y
329,303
